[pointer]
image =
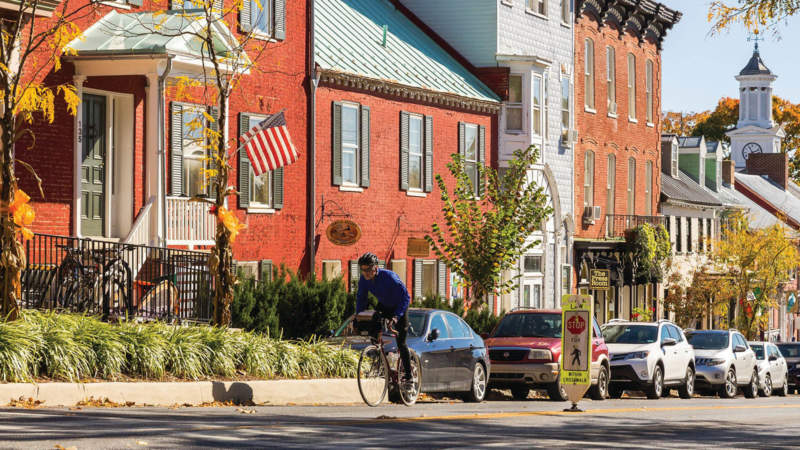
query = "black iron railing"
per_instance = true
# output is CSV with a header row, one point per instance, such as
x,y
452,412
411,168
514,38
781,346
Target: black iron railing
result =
x,y
617,224
116,280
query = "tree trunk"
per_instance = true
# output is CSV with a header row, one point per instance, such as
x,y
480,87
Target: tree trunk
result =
x,y
222,253
12,258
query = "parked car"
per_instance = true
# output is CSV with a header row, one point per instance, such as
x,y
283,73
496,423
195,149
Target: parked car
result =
x,y
791,352
724,362
525,347
649,357
453,358
772,370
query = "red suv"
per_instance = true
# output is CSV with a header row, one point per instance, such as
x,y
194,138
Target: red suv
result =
x,y
524,349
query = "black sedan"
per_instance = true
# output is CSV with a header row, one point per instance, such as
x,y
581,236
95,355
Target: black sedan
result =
x,y
452,356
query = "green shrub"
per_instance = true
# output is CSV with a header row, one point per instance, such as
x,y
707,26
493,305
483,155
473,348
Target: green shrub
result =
x,y
255,307
146,347
20,343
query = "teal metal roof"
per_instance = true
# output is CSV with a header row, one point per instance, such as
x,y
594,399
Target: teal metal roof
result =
x,y
350,37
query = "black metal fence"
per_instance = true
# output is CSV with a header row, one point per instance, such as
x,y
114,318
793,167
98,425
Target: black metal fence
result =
x,y
116,280
616,224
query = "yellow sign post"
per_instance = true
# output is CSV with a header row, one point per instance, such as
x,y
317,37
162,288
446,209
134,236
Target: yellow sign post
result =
x,y
576,346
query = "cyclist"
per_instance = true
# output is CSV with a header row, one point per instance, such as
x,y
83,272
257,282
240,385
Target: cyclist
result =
x,y
393,302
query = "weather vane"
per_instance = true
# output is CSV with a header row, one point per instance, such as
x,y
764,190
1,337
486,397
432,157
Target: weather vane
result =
x,y
755,38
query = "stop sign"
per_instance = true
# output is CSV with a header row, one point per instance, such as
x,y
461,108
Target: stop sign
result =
x,y
576,324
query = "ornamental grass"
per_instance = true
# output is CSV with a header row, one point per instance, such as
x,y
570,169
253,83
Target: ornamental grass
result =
x,y
72,347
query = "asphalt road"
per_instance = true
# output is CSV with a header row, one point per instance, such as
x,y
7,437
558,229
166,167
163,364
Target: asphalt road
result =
x,y
626,423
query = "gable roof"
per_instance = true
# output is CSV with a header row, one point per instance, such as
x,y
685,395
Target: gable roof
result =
x,y
783,200
350,40
758,216
685,189
689,141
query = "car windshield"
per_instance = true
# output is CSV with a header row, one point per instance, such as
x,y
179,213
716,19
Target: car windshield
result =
x,y
416,323
630,334
759,350
708,341
789,350
542,325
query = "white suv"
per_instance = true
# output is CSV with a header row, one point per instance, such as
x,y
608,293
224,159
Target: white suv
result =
x,y
724,362
649,357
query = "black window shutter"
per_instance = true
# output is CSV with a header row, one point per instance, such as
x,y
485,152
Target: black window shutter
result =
x,y
280,19
176,150
277,188
244,17
337,143
418,278
442,272
404,150
244,164
266,270
364,146
481,159
354,275
428,153
214,126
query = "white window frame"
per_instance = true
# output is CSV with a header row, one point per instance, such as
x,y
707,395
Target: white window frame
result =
x,y
537,7
254,4
611,182
537,125
588,178
674,160
472,128
267,176
541,264
611,81
566,10
532,300
516,105
420,153
190,145
347,147
588,75
565,102
649,90
631,87
631,188
434,263
648,188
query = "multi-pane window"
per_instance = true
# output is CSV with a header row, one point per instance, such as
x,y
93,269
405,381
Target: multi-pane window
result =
x,y
537,103
566,17
415,149
350,144
260,186
611,80
532,295
611,179
674,168
631,86
538,6
194,150
631,186
588,179
588,73
565,103
679,234
514,104
471,153
430,278
261,16
649,89
648,189
533,263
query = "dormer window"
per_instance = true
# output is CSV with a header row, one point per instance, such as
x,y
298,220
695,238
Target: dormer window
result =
x,y
674,168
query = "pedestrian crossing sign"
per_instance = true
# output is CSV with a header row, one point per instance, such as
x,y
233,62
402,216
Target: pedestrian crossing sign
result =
x,y
576,344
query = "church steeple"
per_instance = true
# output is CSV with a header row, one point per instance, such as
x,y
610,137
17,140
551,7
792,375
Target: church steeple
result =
x,y
755,66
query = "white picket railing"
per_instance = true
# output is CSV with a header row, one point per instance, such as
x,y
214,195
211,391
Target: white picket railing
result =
x,y
140,231
189,223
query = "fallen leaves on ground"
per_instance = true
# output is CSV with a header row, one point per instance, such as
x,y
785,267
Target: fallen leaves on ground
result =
x,y
246,411
27,403
61,447
103,403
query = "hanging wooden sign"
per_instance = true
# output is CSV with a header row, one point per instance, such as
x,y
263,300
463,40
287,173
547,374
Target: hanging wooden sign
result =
x,y
418,247
343,232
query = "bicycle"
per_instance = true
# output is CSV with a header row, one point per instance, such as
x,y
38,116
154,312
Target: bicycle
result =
x,y
375,375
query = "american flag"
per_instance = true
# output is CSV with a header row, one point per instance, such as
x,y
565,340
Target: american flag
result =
x,y
269,145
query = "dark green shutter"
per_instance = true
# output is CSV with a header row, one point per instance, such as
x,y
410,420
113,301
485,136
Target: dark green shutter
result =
x,y
280,19
176,149
354,275
404,150
244,17
428,153
244,164
481,159
277,188
442,272
364,146
266,270
214,126
418,278
336,141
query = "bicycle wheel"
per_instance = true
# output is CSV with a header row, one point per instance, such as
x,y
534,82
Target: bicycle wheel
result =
x,y
373,375
409,392
69,279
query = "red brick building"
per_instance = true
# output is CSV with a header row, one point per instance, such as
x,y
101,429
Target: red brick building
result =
x,y
617,157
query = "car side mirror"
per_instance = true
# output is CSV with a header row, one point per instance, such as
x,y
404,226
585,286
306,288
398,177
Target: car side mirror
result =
x,y
773,358
668,341
434,335
484,335
739,348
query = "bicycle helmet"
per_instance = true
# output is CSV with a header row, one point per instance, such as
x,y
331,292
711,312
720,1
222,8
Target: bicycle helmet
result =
x,y
368,259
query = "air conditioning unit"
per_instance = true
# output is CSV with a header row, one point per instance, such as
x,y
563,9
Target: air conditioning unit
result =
x,y
573,136
612,108
591,214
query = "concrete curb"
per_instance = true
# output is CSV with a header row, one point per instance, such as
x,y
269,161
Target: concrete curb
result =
x,y
268,392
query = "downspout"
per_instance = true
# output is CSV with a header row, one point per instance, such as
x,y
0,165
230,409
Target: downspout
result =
x,y
313,81
162,160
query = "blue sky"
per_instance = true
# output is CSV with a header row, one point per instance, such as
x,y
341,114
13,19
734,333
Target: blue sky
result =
x,y
698,69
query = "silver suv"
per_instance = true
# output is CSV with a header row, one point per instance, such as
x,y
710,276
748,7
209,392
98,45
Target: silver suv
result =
x,y
649,357
724,362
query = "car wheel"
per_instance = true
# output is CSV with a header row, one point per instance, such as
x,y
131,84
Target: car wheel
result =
x,y
556,391
615,391
687,388
520,392
600,390
728,389
766,390
783,391
477,392
751,390
656,388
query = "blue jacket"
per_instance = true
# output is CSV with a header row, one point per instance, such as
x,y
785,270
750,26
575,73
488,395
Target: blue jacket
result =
x,y
387,288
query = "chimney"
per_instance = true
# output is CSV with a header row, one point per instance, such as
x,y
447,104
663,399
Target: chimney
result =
x,y
728,171
773,165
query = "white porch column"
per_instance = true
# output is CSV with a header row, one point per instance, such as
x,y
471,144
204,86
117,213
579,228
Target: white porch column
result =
x,y
78,155
153,175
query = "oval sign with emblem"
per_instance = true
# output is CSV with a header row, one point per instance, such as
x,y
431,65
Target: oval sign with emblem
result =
x,y
343,232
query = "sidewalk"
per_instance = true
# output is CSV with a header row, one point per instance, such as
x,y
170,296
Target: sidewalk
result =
x,y
268,392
